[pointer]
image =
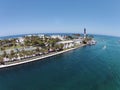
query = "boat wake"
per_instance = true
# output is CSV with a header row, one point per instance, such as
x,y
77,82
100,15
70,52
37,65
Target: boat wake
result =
x,y
104,47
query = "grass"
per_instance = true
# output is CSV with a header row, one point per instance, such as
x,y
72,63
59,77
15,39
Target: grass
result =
x,y
13,47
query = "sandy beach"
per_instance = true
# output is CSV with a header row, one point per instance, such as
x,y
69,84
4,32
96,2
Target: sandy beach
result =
x,y
39,58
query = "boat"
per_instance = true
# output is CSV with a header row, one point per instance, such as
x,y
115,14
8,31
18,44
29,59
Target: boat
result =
x,y
92,42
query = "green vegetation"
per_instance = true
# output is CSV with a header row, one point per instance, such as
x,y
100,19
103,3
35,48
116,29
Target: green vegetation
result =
x,y
1,60
30,46
69,37
34,44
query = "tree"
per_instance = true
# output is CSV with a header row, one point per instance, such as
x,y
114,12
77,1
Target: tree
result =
x,y
23,52
2,48
37,49
1,42
16,56
52,42
10,56
56,46
4,54
13,41
41,43
20,54
84,42
12,52
27,41
61,46
1,60
69,37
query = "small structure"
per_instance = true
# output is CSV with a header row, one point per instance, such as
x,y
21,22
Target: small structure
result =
x,y
85,34
91,42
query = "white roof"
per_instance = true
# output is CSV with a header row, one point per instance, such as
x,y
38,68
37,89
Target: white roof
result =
x,y
64,42
77,40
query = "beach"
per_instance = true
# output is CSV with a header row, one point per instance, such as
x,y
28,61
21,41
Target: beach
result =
x,y
39,58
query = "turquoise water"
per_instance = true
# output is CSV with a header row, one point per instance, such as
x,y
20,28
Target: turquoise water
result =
x,y
87,68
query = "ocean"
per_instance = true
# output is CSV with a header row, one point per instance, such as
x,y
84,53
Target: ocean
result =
x,y
94,67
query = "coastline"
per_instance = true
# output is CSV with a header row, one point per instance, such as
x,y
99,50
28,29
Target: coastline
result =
x,y
39,58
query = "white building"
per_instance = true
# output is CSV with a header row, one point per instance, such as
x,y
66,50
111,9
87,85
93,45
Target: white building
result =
x,y
78,41
57,36
21,40
67,44
41,35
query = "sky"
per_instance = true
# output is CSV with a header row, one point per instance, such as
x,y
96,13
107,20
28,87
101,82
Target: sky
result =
x,y
59,16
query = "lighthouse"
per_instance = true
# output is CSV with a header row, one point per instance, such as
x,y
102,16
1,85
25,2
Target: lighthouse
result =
x,y
85,33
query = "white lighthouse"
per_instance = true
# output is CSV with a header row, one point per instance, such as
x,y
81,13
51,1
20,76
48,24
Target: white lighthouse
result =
x,y
85,34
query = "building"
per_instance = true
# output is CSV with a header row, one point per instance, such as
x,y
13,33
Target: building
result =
x,y
78,41
57,36
21,40
67,44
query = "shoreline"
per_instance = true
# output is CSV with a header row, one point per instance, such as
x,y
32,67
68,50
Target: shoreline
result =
x,y
39,58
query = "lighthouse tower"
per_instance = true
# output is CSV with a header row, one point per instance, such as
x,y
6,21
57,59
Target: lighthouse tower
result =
x,y
85,34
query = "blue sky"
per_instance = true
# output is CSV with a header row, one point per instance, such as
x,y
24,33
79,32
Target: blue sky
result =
x,y
54,16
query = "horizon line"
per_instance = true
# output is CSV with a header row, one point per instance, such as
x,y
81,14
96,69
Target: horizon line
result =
x,y
57,33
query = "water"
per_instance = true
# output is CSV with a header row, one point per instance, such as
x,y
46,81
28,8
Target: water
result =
x,y
87,68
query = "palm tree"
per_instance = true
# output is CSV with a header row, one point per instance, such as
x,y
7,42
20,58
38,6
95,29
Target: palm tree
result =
x,y
85,41
61,46
16,56
12,53
21,55
37,49
45,50
10,56
4,54
0,42
69,37
13,41
56,46
2,48
23,52
1,60
41,43
30,53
